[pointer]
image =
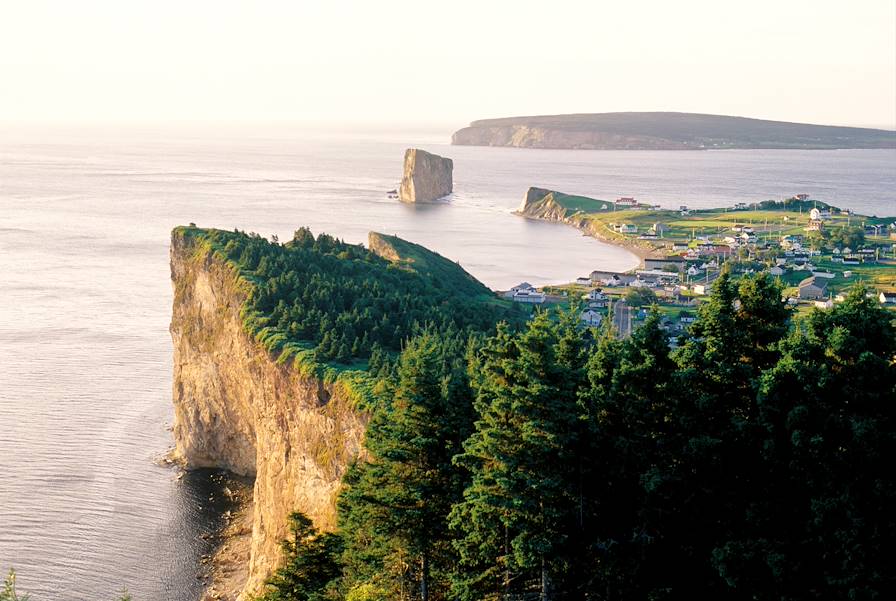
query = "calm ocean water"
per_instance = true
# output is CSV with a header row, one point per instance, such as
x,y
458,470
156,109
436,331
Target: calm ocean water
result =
x,y
85,356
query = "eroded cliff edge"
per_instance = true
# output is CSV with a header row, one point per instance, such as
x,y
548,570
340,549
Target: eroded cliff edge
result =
x,y
237,408
548,205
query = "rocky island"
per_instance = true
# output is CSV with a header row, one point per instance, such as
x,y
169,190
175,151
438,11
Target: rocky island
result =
x,y
664,131
426,176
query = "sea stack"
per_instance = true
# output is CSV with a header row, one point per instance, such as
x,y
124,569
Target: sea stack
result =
x,y
426,176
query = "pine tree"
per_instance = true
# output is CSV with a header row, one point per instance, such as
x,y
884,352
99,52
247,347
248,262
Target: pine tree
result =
x,y
395,507
514,522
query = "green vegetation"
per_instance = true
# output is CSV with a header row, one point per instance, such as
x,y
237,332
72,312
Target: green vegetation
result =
x,y
317,299
640,297
574,204
561,463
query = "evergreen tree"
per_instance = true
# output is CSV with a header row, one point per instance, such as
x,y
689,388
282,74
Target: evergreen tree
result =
x,y
395,506
311,564
514,521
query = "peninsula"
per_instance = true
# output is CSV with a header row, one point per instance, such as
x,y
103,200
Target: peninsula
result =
x,y
664,131
783,236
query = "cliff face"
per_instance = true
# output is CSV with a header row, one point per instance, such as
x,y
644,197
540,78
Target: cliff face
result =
x,y
664,131
539,203
236,408
526,136
426,176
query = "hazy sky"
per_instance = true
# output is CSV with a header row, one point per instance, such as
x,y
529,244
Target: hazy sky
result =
x,y
446,62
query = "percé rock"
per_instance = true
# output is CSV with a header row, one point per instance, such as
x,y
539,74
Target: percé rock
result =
x,y
664,131
426,176
236,408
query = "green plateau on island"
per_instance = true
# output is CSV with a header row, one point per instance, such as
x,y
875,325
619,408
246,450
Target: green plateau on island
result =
x,y
510,453
664,131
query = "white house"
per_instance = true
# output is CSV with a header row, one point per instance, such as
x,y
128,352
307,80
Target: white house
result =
x,y
528,296
590,317
583,281
815,215
525,293
596,295
702,289
627,228
692,270
776,271
887,298
518,287
824,304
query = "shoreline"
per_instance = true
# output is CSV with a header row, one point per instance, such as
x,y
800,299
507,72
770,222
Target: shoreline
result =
x,y
636,249
227,567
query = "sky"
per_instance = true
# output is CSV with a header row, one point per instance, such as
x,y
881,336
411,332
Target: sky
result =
x,y
444,63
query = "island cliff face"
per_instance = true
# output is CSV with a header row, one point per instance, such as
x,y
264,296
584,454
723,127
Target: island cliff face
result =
x,y
426,176
664,131
236,408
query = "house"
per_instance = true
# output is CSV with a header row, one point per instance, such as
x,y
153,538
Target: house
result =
x,y
525,293
686,318
692,271
590,317
626,201
518,287
659,229
583,281
667,263
528,296
702,289
776,271
740,206
596,295
801,197
679,246
610,278
813,288
627,228
815,215
887,298
815,225
824,304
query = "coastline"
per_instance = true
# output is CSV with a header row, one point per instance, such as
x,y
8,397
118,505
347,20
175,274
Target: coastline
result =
x,y
227,567
584,226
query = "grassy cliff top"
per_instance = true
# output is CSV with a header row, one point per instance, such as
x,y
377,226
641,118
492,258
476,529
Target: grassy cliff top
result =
x,y
702,130
443,273
330,302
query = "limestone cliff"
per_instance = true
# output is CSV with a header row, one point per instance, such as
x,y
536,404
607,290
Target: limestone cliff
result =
x,y
549,205
664,131
237,408
426,176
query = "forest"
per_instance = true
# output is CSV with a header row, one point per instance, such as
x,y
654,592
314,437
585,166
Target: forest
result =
x,y
552,462
348,302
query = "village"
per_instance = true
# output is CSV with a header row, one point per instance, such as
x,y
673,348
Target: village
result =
x,y
816,251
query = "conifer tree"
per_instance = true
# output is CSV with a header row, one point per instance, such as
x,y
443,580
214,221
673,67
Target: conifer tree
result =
x,y
395,506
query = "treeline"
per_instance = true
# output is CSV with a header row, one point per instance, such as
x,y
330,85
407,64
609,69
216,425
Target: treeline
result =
x,y
345,300
556,463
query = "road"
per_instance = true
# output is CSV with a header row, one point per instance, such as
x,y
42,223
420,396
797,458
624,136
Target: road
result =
x,y
622,319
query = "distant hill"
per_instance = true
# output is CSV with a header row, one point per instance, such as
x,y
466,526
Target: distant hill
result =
x,y
664,131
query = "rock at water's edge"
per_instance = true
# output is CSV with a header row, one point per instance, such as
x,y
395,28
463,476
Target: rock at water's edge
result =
x,y
426,176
